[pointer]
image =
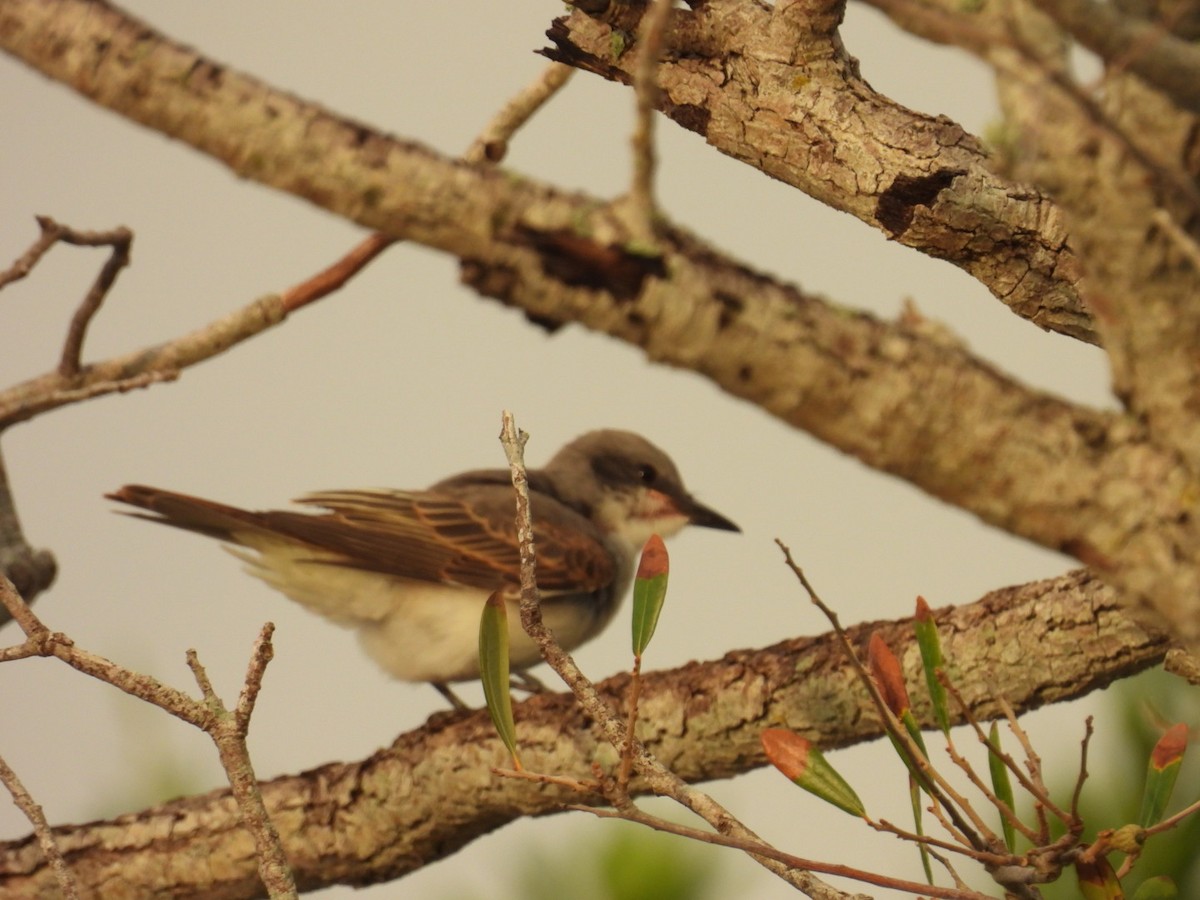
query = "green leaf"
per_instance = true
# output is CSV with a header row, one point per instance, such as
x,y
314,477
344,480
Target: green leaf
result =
x,y
909,721
1161,772
805,765
649,592
931,659
1001,785
494,670
914,796
1160,887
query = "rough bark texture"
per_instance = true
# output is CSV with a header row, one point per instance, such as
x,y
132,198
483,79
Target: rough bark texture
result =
x,y
771,86
432,791
897,396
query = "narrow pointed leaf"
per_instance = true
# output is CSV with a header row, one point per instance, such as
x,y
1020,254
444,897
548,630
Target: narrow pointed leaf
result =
x,y
889,677
1097,880
1160,887
806,766
1001,785
914,731
914,796
913,727
649,592
494,670
1161,772
931,660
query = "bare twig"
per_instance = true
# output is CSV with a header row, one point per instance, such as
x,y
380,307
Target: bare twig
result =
x,y
165,361
980,836
25,263
227,730
765,850
645,85
41,828
120,240
635,693
961,848
1004,809
31,571
491,145
1083,770
1031,783
260,655
337,275
657,777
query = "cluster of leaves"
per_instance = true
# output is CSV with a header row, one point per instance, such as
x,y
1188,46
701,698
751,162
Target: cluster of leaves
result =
x,y
1018,855
1021,856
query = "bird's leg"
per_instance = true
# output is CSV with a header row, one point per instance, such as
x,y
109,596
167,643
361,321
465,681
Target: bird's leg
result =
x,y
453,698
523,681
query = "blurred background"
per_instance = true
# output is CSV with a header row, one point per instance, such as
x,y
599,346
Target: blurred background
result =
x,y
400,379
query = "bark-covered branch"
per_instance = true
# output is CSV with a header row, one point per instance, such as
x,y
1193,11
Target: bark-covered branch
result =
x,y
432,791
897,396
1146,47
796,110
774,88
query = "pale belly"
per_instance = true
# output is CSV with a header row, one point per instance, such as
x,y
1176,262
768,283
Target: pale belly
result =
x,y
414,630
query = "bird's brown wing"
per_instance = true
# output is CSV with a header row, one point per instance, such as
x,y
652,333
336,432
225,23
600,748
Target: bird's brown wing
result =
x,y
428,535
437,536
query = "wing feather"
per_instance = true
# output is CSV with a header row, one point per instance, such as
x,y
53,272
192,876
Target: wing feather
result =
x,y
436,536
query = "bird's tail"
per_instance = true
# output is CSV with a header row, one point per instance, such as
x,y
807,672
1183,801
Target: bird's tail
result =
x,y
189,513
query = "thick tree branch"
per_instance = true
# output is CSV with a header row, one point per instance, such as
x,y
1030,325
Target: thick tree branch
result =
x,y
1143,170
896,396
431,792
774,87
806,121
1146,48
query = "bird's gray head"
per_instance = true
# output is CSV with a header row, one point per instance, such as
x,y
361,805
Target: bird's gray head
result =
x,y
627,486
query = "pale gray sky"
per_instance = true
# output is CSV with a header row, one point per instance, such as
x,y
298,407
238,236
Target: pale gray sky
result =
x,y
400,380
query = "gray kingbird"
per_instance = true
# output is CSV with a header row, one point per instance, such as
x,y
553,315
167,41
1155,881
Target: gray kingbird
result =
x,y
410,570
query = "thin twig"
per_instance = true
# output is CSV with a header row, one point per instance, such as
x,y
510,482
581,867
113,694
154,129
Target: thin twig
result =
x,y
982,856
164,362
645,86
657,777
335,276
765,850
1083,772
1033,786
41,828
120,239
24,264
635,693
1036,784
574,784
980,837
1171,821
227,731
491,145
1007,812
260,655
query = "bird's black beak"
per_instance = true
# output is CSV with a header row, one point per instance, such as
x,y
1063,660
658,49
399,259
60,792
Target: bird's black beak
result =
x,y
699,514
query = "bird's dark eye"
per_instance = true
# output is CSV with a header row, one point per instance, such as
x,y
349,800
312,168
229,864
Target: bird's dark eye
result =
x,y
647,473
